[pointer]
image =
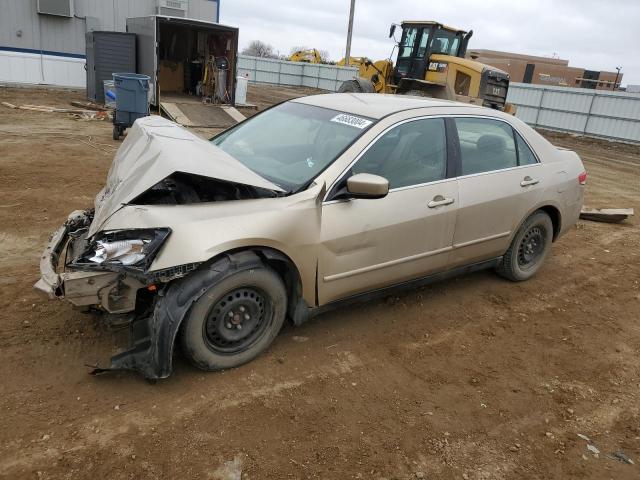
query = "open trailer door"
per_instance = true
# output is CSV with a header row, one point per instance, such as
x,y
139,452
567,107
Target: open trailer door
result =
x,y
146,30
186,58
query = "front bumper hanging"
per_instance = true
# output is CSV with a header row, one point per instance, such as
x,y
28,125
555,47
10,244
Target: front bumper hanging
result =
x,y
50,282
83,288
152,337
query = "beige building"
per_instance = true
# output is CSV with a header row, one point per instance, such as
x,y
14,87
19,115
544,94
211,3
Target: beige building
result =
x,y
545,71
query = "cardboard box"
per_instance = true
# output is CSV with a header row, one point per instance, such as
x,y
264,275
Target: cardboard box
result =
x,y
171,76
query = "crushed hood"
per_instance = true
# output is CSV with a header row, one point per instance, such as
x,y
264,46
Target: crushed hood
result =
x,y
156,148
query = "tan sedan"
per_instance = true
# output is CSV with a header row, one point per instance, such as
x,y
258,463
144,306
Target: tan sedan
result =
x,y
315,202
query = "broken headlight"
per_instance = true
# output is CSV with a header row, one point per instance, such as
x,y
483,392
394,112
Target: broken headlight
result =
x,y
124,249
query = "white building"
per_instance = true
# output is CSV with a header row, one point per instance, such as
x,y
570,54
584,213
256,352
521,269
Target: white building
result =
x,y
43,41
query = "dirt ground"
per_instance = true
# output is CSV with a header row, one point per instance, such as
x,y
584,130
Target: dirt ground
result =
x,y
475,378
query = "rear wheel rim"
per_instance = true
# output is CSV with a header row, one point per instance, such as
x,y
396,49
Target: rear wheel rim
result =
x,y
532,247
237,320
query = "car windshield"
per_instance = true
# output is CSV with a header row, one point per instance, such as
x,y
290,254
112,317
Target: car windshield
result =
x,y
290,144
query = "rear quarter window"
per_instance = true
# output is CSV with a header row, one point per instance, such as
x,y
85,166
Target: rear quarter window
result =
x,y
525,155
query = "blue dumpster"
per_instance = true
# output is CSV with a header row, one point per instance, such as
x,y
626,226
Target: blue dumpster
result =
x,y
132,100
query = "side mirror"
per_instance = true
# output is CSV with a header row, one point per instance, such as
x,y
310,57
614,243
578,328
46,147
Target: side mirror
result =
x,y
367,185
392,30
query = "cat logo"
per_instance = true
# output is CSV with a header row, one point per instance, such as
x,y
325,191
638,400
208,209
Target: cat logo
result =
x,y
438,66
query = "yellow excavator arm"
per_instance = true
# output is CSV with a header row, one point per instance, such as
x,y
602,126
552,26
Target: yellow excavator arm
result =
x,y
353,61
308,56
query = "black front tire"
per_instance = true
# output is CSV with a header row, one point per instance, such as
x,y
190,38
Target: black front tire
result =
x,y
529,248
116,132
211,339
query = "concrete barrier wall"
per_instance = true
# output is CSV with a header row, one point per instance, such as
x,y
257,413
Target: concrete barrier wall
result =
x,y
283,72
596,113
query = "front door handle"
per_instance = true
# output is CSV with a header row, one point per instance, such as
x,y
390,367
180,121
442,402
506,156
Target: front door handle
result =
x,y
439,201
526,181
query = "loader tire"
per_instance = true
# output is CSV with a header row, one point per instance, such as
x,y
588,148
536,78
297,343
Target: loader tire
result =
x,y
416,93
349,86
357,85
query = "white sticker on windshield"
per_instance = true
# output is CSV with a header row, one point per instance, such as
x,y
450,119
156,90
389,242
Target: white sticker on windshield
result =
x,y
352,121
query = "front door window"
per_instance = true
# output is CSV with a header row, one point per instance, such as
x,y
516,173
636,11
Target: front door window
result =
x,y
410,154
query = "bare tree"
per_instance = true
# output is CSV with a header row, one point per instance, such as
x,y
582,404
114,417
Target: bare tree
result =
x,y
258,48
324,56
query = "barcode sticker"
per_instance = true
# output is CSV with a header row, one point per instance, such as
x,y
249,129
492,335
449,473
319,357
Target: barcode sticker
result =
x,y
352,121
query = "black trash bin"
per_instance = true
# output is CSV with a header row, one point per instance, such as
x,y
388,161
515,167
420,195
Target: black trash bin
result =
x,y
132,100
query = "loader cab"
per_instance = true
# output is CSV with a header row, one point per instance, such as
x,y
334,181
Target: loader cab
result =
x,y
419,41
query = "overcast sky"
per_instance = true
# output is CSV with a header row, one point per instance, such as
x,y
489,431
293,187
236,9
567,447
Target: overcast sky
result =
x,y
593,34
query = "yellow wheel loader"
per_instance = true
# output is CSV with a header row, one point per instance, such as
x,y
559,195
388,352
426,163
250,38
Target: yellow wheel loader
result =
x,y
431,63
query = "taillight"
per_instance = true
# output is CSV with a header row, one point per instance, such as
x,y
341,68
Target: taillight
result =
x,y
582,178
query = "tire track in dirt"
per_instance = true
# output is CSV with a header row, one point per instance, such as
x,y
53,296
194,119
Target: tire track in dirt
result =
x,y
103,430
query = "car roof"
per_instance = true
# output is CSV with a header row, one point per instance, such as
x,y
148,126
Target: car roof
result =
x,y
376,105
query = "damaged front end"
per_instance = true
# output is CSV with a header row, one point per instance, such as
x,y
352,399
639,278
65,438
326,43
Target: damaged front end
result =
x,y
109,274
80,287
103,273
108,269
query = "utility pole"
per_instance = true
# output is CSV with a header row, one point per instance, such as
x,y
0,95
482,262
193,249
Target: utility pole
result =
x,y
349,33
615,82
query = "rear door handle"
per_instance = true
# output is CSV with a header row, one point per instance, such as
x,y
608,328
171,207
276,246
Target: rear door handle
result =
x,y
526,181
439,201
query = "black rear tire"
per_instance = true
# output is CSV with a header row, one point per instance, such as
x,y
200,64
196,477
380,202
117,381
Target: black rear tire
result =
x,y
529,248
235,320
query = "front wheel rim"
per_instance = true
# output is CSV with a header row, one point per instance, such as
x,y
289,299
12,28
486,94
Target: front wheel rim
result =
x,y
237,320
532,247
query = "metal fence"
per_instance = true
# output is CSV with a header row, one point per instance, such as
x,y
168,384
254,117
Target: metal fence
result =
x,y
597,113
283,72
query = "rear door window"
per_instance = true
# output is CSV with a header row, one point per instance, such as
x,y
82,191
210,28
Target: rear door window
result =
x,y
485,145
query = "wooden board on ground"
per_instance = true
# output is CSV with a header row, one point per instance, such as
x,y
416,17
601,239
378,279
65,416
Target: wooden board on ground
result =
x,y
191,114
89,106
249,106
176,106
235,114
609,215
174,113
